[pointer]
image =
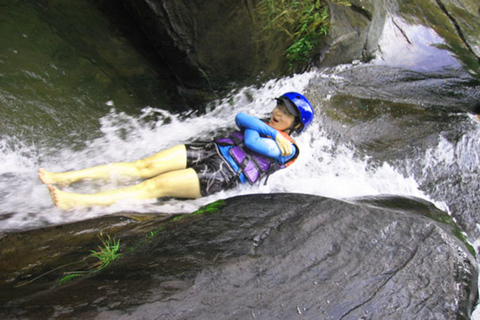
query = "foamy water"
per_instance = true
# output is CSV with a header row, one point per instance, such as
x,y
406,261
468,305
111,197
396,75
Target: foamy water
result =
x,y
323,169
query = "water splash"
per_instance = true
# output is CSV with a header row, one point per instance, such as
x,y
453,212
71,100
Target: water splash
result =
x,y
324,168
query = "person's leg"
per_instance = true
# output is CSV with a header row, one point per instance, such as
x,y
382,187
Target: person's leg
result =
x,y
171,159
178,184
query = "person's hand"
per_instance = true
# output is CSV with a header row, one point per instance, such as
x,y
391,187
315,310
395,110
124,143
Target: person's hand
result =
x,y
284,145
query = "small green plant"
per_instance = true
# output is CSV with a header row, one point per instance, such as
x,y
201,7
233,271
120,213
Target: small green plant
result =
x,y
107,252
69,276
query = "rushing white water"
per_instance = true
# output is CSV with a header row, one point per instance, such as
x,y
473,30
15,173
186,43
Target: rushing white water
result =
x,y
323,168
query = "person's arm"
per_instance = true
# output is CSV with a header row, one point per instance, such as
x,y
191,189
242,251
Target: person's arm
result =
x,y
246,121
267,146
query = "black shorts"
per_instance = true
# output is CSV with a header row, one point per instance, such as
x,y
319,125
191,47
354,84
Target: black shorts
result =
x,y
214,173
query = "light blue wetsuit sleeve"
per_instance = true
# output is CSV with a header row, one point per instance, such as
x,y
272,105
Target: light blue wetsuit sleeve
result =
x,y
265,146
254,129
246,121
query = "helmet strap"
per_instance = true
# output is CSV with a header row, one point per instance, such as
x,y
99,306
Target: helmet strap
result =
x,y
294,128
297,127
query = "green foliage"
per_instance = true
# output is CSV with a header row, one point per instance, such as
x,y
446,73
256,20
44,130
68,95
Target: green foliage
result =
x,y
179,217
314,25
213,207
304,22
106,253
69,276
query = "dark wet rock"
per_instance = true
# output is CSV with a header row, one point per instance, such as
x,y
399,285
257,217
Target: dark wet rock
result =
x,y
209,45
212,44
121,51
348,36
400,118
277,256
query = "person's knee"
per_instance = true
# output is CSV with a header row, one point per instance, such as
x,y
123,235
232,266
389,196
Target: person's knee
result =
x,y
154,185
140,165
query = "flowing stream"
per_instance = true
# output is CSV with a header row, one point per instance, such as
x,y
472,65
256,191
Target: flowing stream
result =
x,y
381,128
325,168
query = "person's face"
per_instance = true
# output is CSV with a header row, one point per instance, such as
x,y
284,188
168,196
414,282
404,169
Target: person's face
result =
x,y
281,119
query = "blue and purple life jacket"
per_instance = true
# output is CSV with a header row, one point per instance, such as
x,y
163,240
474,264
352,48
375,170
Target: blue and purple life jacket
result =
x,y
253,165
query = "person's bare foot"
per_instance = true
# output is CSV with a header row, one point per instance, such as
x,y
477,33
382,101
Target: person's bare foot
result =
x,y
62,199
45,176
48,177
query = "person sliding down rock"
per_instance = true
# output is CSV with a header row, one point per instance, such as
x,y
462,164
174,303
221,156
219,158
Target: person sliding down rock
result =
x,y
199,169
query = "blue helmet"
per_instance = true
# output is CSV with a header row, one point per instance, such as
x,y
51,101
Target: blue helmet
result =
x,y
299,106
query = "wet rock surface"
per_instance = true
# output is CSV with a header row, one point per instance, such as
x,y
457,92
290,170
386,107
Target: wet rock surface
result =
x,y
211,44
260,256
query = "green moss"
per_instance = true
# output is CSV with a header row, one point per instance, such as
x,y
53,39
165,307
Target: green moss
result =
x,y
423,208
213,207
179,217
445,218
146,239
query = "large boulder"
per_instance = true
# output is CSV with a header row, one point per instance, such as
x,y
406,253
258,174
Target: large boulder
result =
x,y
210,44
260,256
